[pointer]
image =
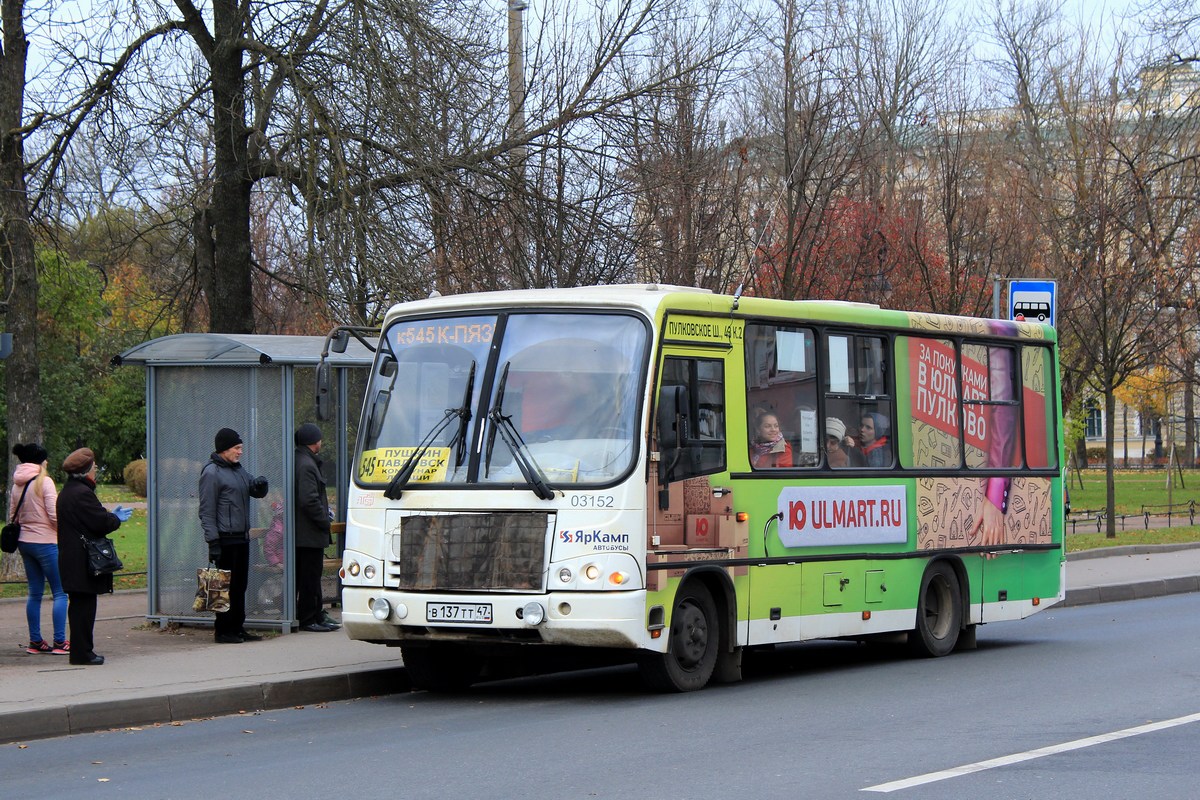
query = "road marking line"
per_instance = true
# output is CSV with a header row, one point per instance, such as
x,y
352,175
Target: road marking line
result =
x,y
1016,758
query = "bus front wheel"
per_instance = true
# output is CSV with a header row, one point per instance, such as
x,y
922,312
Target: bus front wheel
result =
x,y
691,647
441,668
939,612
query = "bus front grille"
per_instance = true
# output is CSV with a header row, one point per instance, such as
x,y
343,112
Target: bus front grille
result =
x,y
465,552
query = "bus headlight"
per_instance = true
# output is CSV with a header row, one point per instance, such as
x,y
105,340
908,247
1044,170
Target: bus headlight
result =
x,y
369,571
565,575
591,572
381,609
533,613
353,568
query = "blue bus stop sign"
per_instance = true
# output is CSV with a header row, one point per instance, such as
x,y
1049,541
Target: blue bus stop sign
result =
x,y
1031,301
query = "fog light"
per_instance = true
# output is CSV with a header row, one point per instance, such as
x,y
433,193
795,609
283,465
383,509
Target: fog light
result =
x,y
533,613
564,609
591,572
354,569
565,575
381,609
369,571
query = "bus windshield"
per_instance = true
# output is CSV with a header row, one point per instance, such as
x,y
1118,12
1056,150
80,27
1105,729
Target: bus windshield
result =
x,y
561,403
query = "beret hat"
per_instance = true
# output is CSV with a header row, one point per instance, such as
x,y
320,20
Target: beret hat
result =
x,y
79,462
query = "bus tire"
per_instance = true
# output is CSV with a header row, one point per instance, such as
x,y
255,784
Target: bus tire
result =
x,y
692,645
441,668
939,612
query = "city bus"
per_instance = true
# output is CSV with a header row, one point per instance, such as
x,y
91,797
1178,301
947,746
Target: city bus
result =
x,y
685,476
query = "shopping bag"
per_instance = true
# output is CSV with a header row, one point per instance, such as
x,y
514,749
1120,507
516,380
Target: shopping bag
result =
x,y
212,590
10,534
101,556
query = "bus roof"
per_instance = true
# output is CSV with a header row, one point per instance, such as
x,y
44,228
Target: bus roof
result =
x,y
654,298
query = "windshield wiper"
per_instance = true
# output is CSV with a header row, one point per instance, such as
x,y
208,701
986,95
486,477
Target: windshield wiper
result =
x,y
512,437
464,416
395,487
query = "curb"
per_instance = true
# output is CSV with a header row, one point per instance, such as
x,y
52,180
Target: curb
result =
x,y
46,723
1117,592
1130,550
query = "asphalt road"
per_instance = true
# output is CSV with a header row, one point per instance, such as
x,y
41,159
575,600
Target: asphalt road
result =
x,y
1055,706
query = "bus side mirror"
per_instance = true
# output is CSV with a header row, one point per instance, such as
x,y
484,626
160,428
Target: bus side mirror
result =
x,y
387,366
340,340
378,411
324,392
673,404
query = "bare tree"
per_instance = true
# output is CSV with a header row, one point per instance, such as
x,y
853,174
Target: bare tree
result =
x,y
17,257
1092,160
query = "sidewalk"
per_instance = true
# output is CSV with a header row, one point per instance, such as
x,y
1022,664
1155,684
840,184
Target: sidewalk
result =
x,y
156,676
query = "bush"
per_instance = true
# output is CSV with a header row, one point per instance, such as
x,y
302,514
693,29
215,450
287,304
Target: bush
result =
x,y
1095,455
135,476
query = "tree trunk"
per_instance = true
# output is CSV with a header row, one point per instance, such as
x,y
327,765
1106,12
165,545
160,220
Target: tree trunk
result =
x,y
231,306
1189,414
17,256
1110,486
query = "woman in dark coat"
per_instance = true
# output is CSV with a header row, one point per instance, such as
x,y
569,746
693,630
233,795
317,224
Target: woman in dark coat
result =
x,y
80,514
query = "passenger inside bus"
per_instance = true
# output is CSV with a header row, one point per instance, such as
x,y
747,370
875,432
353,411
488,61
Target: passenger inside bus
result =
x,y
769,449
874,434
839,450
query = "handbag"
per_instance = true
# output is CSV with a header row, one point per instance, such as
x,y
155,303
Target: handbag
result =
x,y
212,590
10,534
102,556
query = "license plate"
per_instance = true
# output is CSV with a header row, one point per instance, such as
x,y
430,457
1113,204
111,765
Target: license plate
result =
x,y
459,612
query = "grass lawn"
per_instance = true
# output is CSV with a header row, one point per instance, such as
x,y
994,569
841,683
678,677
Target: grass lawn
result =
x,y
1134,488
129,539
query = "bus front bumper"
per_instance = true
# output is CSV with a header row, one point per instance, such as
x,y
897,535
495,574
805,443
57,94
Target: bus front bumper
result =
x,y
586,619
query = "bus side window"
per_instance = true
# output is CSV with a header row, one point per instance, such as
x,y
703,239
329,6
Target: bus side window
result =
x,y
781,397
857,394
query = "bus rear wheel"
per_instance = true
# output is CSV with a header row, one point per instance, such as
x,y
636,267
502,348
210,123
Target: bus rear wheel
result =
x,y
939,612
441,668
691,647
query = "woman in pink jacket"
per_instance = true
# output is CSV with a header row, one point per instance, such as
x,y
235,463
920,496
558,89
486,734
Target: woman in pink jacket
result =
x,y
38,546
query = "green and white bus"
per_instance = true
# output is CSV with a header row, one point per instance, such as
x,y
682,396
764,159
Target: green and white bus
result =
x,y
685,475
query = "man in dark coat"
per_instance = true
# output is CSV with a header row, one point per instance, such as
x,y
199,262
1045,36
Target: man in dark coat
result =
x,y
81,514
312,530
225,492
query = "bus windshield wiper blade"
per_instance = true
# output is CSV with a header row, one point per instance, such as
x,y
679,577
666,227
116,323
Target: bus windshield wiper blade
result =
x,y
529,468
395,487
502,423
464,416
491,442
400,479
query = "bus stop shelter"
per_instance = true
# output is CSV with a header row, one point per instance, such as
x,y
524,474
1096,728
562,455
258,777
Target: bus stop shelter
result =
x,y
264,387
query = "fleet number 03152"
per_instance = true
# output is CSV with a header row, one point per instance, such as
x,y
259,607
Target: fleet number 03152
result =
x,y
592,501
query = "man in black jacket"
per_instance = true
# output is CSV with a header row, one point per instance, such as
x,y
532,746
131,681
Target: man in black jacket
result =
x,y
312,530
225,492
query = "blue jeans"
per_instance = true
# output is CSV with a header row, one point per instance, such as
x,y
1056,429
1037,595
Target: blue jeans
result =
x,y
41,566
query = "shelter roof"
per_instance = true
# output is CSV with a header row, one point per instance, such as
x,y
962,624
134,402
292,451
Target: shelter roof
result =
x,y
229,349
